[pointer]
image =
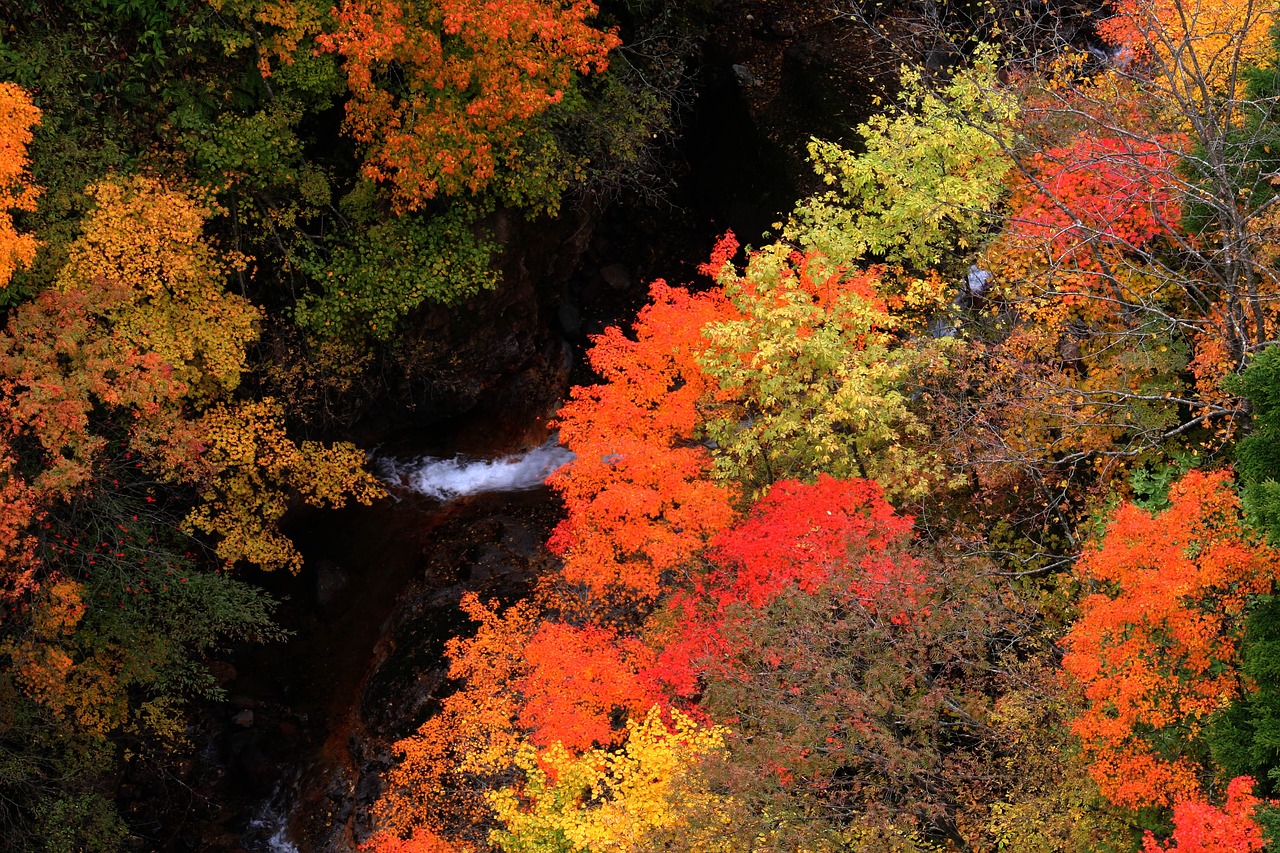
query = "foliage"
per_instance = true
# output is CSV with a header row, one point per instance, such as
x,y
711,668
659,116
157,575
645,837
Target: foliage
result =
x,y
638,501
810,377
395,266
1198,46
521,684
1258,454
853,675
1202,828
612,801
1158,656
149,237
1108,190
469,76
928,181
797,537
578,680
17,116
437,789
247,471
1244,737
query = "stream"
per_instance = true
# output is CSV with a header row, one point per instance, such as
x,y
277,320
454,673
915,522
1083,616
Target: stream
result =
x,y
297,753
461,476
296,756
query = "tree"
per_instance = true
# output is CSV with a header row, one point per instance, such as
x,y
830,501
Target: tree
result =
x,y
614,802
797,537
17,117
638,499
1257,454
1196,47
1202,828
930,178
140,324
857,678
436,791
1159,656
148,237
442,93
810,376
579,681
523,684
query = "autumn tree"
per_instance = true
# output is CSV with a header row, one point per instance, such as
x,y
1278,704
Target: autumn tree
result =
x,y
811,376
852,673
116,391
524,684
442,93
1202,828
929,180
631,799
1196,48
1159,654
140,322
17,192
638,498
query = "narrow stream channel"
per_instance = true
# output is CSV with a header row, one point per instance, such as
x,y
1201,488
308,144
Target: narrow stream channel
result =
x,y
311,720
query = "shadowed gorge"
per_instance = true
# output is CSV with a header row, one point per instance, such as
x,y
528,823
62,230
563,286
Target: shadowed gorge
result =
x,y
614,426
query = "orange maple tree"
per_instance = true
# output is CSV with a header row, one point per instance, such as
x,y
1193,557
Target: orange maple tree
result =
x,y
578,680
441,91
1158,655
638,498
17,117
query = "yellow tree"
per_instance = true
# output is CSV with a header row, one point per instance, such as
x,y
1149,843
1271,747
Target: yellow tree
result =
x,y
621,801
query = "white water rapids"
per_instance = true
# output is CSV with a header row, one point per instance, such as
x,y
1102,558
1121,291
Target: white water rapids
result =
x,y
447,479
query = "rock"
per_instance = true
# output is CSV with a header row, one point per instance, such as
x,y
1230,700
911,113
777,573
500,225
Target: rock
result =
x,y
223,672
617,276
744,76
570,318
244,719
332,583
781,29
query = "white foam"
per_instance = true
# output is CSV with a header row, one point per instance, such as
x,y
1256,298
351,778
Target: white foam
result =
x,y
446,479
269,831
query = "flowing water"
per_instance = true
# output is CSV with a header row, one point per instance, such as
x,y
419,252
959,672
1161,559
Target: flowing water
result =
x,y
461,476
454,523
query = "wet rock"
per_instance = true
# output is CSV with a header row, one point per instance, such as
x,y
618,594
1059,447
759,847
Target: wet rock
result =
x,y
222,671
332,584
744,76
249,758
617,276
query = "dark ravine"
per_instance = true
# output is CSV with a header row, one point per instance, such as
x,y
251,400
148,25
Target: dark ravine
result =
x,y
294,759
298,749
